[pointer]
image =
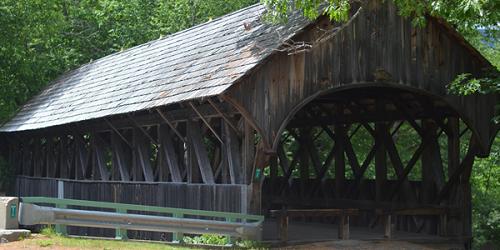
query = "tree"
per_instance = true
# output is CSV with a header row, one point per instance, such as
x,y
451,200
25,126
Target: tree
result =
x,y
41,39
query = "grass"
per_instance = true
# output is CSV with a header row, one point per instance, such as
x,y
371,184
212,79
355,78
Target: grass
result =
x,y
78,243
50,239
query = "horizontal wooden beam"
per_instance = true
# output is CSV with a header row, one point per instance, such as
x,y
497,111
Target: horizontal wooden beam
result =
x,y
313,212
361,118
350,204
144,119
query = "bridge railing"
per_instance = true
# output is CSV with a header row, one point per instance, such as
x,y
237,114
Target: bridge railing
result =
x,y
122,208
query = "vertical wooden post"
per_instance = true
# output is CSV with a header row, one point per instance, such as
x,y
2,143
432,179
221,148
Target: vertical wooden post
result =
x,y
261,159
196,141
429,162
136,165
193,171
100,170
380,160
37,157
343,227
303,161
56,150
283,225
13,156
167,149
63,156
248,151
233,154
49,145
452,225
120,163
81,156
453,145
71,158
143,148
339,160
387,226
443,225
273,165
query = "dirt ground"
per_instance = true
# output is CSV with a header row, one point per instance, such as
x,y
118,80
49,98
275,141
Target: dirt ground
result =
x,y
31,244
375,245
40,242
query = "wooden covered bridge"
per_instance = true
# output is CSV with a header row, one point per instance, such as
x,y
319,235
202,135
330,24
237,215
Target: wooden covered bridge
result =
x,y
307,119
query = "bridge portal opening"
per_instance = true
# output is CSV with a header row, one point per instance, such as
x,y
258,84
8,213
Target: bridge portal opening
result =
x,y
375,161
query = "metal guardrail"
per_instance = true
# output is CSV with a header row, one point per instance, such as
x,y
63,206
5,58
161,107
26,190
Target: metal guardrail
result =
x,y
233,224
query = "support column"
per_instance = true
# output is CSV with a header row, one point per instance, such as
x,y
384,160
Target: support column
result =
x,y
339,161
453,227
380,161
248,149
303,161
261,159
432,170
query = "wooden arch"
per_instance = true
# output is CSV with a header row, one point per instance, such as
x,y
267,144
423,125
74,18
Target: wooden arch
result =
x,y
360,87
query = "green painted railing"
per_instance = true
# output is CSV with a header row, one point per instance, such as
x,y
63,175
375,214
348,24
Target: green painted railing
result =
x,y
125,208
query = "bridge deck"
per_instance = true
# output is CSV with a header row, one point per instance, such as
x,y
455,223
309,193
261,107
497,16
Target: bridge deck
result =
x,y
323,235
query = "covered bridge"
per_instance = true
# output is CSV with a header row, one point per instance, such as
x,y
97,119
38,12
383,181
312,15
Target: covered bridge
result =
x,y
240,115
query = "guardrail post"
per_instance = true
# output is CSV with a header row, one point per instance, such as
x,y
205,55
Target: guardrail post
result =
x,y
121,234
230,240
61,229
177,237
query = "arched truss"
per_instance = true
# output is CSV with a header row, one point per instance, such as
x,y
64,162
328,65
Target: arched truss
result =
x,y
371,145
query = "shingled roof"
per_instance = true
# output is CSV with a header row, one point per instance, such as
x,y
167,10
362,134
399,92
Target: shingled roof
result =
x,y
202,61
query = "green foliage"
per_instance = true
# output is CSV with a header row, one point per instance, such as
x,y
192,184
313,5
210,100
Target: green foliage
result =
x,y
40,39
466,84
485,197
211,239
251,244
279,10
49,231
208,239
467,15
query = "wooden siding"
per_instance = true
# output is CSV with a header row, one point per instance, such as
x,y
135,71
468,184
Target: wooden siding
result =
x,y
422,59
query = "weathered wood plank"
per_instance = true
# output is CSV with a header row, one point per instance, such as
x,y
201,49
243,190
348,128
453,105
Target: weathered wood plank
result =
x,y
380,161
100,158
143,153
119,159
200,152
169,154
232,145
248,151
339,161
